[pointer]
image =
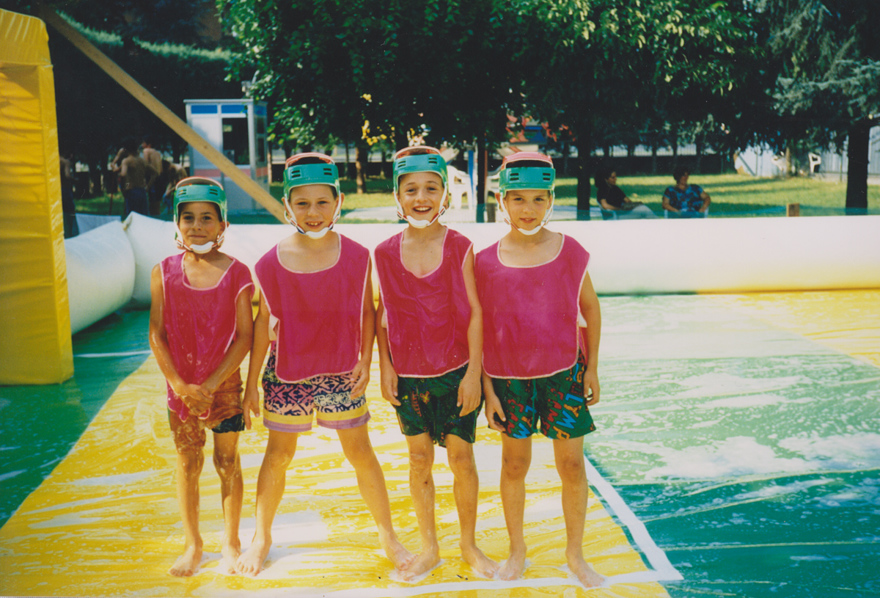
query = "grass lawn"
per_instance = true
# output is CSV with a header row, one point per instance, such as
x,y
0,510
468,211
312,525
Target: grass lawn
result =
x,y
733,195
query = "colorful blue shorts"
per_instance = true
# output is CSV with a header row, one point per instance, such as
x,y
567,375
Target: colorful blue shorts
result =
x,y
288,407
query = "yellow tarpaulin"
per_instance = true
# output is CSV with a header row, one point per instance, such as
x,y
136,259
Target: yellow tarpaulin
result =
x,y
105,523
35,345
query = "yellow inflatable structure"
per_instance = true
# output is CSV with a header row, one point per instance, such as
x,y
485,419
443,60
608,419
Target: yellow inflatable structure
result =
x,y
35,345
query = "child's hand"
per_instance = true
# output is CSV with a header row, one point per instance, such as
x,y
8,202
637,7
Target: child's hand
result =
x,y
361,377
389,385
250,405
469,392
197,398
494,412
591,387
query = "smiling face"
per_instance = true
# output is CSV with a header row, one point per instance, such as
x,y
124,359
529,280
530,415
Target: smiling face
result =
x,y
421,195
526,208
313,206
199,222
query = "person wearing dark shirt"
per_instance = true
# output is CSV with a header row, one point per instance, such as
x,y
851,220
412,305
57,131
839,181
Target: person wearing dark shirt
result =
x,y
612,198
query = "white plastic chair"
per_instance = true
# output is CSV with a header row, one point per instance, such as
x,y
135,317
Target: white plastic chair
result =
x,y
815,161
459,185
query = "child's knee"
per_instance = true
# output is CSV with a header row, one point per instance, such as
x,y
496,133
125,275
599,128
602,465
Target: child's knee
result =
x,y
461,460
226,463
571,468
420,460
190,461
514,466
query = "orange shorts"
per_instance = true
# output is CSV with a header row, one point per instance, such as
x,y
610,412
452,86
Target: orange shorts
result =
x,y
226,416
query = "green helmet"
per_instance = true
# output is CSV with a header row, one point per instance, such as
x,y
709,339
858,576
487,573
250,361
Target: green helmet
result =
x,y
199,189
530,177
297,175
418,159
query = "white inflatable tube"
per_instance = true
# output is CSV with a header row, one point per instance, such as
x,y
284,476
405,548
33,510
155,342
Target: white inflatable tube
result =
x,y
100,274
723,255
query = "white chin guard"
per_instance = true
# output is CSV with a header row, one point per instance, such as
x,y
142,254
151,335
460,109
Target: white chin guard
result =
x,y
203,248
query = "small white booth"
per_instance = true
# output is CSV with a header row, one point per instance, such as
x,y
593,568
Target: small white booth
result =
x,y
238,129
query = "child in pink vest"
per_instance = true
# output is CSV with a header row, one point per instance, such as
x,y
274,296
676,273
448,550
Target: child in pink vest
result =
x,y
539,371
200,331
316,304
430,341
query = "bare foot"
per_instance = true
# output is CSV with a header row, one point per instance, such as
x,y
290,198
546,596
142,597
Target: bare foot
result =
x,y
585,572
231,552
251,562
479,562
514,566
398,554
422,564
187,563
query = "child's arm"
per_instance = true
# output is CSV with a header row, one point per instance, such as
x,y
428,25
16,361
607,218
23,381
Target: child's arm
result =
x,y
361,372
197,398
251,402
493,405
244,334
589,304
386,368
469,389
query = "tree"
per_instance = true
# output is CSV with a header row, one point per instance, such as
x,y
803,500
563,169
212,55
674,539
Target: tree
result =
x,y
446,71
93,113
830,80
635,62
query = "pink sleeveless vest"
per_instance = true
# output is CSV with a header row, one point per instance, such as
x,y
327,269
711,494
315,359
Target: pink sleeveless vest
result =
x,y
530,314
428,316
199,323
320,314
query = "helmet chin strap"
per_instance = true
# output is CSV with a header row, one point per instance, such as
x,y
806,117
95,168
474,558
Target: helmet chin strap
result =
x,y
414,222
314,234
201,248
535,230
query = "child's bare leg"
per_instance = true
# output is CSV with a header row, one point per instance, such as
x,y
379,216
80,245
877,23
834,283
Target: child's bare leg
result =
x,y
189,468
421,487
516,456
228,466
570,465
371,482
466,488
270,489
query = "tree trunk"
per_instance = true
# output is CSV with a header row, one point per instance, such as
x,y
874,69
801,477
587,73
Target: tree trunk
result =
x,y
787,172
482,170
857,149
699,143
361,165
655,141
583,169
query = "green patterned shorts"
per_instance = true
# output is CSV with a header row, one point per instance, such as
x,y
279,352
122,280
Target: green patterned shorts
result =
x,y
557,401
428,405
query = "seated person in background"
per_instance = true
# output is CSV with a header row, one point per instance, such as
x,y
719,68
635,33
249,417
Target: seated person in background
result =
x,y
612,198
683,200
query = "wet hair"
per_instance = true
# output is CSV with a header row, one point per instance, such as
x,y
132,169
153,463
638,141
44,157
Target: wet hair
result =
x,y
150,140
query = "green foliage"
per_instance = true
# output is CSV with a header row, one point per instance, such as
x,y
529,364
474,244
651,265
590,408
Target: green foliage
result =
x,y
830,50
94,113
